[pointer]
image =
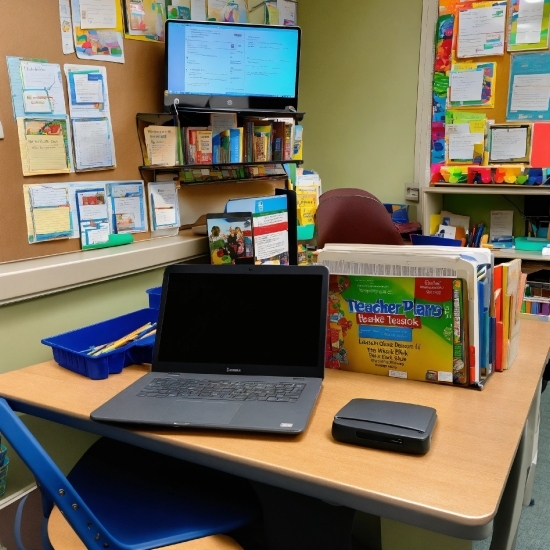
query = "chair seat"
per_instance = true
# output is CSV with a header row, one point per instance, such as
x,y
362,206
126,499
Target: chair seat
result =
x,y
154,500
62,537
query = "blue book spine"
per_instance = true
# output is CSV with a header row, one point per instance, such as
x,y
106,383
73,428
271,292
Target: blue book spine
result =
x,y
216,145
234,145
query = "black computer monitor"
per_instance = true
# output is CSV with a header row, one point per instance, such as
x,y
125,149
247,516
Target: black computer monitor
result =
x,y
231,66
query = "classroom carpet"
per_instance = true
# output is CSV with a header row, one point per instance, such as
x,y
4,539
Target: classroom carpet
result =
x,y
534,528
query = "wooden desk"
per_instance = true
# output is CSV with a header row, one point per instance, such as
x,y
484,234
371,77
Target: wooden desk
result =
x,y
455,489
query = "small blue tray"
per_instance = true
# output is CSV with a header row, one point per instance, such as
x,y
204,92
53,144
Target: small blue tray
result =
x,y
68,348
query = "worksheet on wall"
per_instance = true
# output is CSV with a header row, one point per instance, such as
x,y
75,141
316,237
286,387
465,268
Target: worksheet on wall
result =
x,y
45,145
98,44
36,88
93,143
481,30
528,25
529,92
66,26
50,213
91,118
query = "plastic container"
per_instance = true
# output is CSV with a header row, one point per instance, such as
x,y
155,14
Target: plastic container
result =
x,y
4,475
3,450
154,297
399,212
434,240
530,243
69,348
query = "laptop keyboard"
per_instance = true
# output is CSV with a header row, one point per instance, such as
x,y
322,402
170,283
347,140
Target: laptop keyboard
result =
x,y
222,389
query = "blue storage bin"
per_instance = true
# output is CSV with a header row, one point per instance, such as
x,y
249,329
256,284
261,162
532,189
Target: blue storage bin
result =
x,y
69,348
433,240
154,297
399,212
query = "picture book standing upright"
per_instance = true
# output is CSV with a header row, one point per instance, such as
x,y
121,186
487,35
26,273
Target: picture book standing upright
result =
x,y
238,347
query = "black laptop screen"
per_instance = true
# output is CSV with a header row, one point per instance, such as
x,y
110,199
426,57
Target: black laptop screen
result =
x,y
224,319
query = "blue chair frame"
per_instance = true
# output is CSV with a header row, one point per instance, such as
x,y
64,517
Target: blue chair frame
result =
x,y
123,497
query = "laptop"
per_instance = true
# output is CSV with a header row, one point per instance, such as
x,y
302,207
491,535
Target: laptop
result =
x,y
238,347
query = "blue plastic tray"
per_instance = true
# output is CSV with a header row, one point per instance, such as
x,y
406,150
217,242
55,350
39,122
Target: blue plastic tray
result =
x,y
68,348
154,297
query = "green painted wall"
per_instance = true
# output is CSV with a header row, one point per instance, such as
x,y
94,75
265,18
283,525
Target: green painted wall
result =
x,y
24,324
358,88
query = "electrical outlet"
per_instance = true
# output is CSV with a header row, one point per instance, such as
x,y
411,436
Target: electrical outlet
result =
x,y
411,192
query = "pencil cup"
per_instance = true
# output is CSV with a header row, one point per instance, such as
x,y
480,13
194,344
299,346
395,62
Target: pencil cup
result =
x,y
4,475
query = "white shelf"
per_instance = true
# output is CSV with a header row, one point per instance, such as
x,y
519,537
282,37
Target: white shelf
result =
x,y
487,189
522,254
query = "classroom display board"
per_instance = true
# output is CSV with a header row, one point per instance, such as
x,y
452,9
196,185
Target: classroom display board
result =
x,y
136,85
491,93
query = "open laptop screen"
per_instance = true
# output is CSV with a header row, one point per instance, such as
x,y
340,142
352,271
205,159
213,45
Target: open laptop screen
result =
x,y
245,319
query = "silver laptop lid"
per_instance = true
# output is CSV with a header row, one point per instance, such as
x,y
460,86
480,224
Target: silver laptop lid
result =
x,y
243,319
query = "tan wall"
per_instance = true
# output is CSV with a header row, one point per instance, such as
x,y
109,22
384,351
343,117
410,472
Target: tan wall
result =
x,y
24,324
358,87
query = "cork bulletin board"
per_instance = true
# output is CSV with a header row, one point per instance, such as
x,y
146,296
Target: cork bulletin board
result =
x,y
33,31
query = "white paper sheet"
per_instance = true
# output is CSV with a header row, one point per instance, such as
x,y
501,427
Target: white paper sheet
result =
x,y
97,14
86,110
467,85
530,92
461,146
529,21
66,26
88,90
502,224
44,197
93,145
287,12
46,79
198,10
451,129
163,200
508,144
481,31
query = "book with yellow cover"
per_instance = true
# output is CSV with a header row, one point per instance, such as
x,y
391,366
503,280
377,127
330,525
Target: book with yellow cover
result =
x,y
402,327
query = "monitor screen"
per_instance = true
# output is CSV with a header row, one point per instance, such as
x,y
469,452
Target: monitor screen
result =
x,y
231,66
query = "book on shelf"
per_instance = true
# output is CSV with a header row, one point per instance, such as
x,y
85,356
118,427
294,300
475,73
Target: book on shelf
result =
x,y
298,143
270,226
190,143
278,140
262,143
162,145
204,147
236,145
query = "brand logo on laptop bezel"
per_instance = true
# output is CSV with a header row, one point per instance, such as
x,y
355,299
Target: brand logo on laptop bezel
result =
x,y
233,370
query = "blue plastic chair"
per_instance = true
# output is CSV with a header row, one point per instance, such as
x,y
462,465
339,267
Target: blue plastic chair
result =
x,y
119,496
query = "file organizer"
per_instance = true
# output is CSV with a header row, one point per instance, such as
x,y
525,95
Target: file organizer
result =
x,y
474,266
69,348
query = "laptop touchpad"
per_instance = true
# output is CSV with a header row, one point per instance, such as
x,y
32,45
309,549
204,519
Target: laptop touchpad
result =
x,y
201,412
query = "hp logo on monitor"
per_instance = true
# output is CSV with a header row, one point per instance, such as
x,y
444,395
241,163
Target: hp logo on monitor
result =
x,y
229,102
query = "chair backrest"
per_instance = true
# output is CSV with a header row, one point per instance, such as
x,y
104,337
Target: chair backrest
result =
x,y
354,216
53,484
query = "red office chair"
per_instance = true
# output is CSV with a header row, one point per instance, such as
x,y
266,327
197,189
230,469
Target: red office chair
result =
x,y
354,216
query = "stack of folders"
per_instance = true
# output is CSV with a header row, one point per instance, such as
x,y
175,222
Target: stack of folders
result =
x,y
424,313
